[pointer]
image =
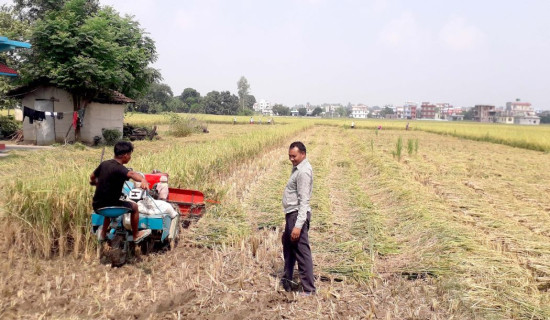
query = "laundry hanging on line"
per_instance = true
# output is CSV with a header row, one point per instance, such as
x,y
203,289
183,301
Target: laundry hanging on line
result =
x,y
58,115
75,119
36,115
33,114
81,114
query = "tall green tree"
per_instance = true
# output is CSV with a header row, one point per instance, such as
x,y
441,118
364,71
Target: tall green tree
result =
x,y
281,110
249,101
343,112
243,90
32,10
221,103
156,100
385,111
317,111
191,99
89,50
545,117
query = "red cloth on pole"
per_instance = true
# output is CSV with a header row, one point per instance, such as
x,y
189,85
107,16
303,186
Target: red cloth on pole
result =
x,y
75,119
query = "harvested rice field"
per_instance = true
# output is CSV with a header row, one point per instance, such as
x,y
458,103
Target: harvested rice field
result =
x,y
442,228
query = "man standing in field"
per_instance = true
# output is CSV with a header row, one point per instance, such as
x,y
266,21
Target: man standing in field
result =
x,y
109,178
298,215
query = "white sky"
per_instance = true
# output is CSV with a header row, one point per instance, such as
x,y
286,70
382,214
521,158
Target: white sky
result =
x,y
374,52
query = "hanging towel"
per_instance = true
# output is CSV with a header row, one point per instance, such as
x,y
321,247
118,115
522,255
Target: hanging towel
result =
x,y
81,113
28,112
39,115
75,119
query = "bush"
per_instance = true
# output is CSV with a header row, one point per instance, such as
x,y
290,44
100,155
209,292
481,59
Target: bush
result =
x,y
111,136
8,126
183,126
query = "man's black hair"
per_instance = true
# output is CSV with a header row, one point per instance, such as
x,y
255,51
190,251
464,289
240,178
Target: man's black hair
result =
x,y
299,145
123,147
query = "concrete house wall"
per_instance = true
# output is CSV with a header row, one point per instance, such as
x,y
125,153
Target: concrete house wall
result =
x,y
98,116
101,116
65,104
534,121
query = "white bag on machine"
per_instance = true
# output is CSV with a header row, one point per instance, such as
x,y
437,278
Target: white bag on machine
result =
x,y
150,206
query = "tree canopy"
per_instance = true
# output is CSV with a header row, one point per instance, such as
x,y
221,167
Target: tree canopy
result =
x,y
191,99
249,101
157,99
317,111
281,110
32,10
87,50
220,103
385,111
545,118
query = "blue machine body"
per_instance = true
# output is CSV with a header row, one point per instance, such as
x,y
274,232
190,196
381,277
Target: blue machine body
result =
x,y
159,222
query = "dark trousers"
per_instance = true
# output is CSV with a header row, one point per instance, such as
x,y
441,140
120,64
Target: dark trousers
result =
x,y
298,251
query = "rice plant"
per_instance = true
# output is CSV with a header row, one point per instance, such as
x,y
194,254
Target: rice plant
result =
x,y
371,146
410,146
398,149
51,201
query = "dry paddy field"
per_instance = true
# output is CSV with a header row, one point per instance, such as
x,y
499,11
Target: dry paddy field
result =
x,y
454,229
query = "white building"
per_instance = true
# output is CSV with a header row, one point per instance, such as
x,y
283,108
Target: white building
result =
x,y
359,111
518,112
399,110
528,120
264,106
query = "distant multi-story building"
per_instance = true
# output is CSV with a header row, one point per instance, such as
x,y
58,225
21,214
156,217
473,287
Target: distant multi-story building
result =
x,y
448,112
359,111
484,113
263,106
398,112
519,107
409,110
427,110
330,110
518,112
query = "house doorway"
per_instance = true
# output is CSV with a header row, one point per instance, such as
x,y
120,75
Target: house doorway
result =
x,y
45,130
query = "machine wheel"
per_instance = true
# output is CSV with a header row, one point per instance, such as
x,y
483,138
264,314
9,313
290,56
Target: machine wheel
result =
x,y
117,253
147,245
